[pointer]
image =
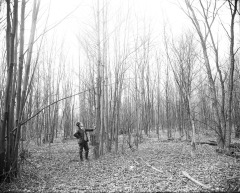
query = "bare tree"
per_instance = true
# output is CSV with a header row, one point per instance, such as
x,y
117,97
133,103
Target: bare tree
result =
x,y
219,106
5,125
233,10
184,73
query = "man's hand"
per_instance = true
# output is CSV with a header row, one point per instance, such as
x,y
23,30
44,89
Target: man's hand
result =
x,y
94,130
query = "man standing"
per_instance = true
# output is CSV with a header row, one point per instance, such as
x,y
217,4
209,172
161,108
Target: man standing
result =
x,y
81,135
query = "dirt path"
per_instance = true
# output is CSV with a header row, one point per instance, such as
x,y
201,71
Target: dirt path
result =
x,y
156,166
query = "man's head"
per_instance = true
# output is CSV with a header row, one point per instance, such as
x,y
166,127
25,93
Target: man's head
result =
x,y
79,124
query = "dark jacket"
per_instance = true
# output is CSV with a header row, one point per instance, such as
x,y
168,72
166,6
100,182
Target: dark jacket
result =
x,y
80,135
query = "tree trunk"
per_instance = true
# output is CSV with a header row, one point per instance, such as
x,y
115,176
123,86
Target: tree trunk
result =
x,y
231,76
5,126
213,93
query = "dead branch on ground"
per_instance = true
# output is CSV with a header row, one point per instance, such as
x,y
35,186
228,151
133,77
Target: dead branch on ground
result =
x,y
195,181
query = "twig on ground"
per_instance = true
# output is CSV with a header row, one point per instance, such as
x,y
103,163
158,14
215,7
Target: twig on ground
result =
x,y
195,181
233,177
136,162
130,146
151,166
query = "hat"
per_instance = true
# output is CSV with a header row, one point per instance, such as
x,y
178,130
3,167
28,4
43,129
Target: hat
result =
x,y
79,124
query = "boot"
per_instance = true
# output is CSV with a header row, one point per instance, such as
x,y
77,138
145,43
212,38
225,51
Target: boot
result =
x,y
81,157
86,155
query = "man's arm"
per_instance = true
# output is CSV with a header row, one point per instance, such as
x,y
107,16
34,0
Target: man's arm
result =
x,y
77,135
87,130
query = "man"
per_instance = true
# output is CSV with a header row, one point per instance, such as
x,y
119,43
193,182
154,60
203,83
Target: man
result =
x,y
82,137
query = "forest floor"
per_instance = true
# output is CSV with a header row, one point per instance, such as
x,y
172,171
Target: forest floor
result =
x,y
157,166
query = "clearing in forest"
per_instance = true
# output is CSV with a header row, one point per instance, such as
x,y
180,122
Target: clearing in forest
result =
x,y
157,166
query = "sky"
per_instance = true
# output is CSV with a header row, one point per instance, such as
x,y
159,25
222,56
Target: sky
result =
x,y
75,18
153,12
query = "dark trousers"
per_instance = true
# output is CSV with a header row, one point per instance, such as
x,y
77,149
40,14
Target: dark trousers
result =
x,y
83,145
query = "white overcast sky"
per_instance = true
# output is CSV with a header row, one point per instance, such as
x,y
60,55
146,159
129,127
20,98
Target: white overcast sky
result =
x,y
153,12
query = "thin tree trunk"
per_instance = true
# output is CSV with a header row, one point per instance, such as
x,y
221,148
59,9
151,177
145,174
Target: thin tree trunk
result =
x,y
10,38
27,70
231,76
20,67
98,105
213,92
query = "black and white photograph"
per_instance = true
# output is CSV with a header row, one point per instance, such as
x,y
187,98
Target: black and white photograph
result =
x,y
119,96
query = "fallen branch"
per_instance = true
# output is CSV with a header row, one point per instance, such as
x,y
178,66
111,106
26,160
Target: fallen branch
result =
x,y
212,143
236,146
232,152
233,177
136,162
195,181
151,166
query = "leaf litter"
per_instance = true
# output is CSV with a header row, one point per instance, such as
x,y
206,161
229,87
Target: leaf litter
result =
x,y
157,166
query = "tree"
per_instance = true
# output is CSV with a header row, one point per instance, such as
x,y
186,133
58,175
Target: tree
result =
x,y
233,10
5,154
184,73
10,139
221,117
